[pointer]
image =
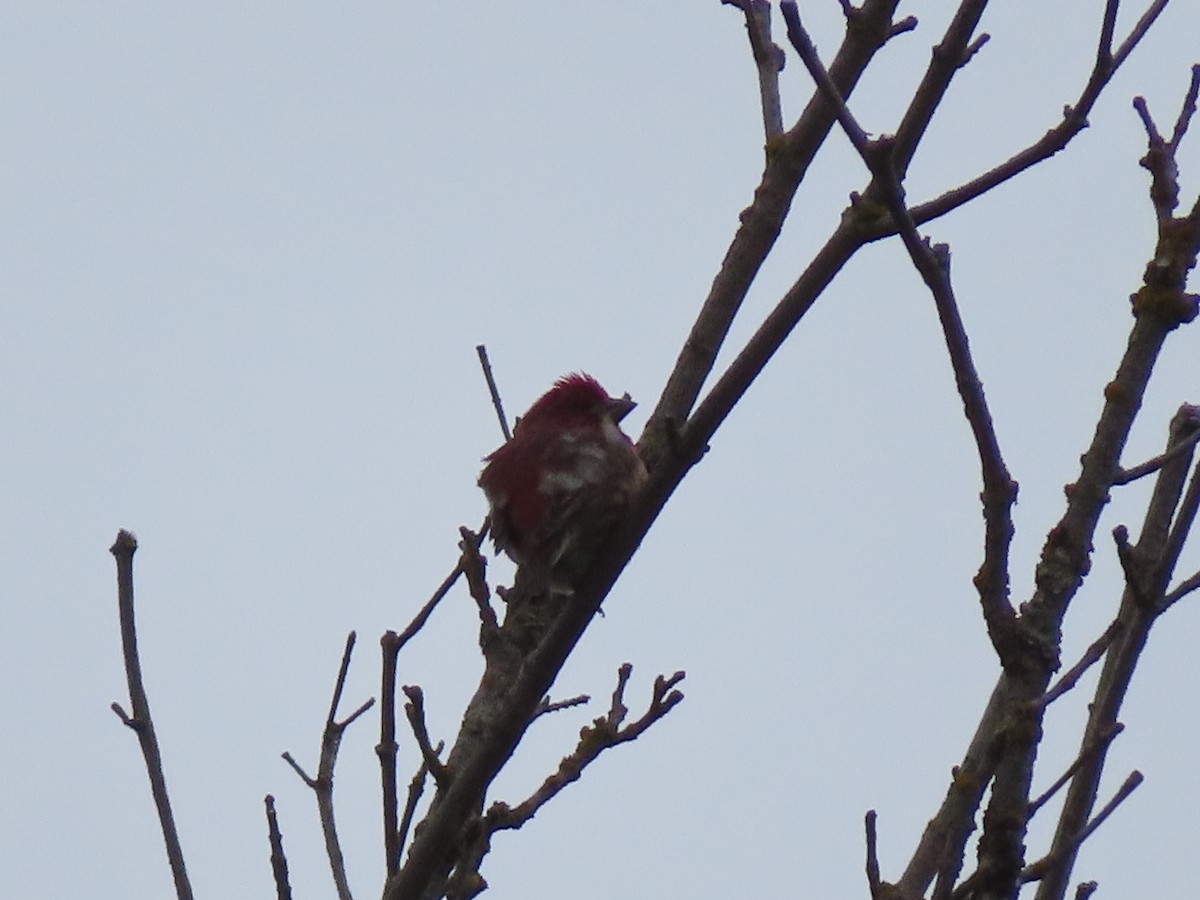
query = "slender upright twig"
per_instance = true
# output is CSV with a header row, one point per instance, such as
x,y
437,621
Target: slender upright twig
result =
x,y
391,644
322,785
279,865
768,60
486,364
140,721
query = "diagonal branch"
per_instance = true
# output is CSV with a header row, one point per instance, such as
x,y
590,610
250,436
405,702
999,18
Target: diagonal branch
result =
x,y
415,709
759,227
1152,465
1091,656
933,263
497,403
1148,569
1074,120
604,733
139,720
1038,870
1101,743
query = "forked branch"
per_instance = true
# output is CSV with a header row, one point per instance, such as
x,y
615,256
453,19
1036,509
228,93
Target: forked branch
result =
x,y
322,785
604,733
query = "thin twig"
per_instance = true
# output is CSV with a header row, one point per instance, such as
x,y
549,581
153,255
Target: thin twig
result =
x,y
1090,657
799,39
933,264
1132,782
759,227
1185,518
546,706
497,403
415,710
1064,562
1074,120
1108,25
322,785
1088,752
873,880
1186,111
474,566
768,60
1181,590
279,865
140,721
1137,32
605,732
416,787
1152,465
1035,871
1148,569
387,748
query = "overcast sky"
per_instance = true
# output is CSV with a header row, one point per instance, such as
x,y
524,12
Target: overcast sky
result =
x,y
248,250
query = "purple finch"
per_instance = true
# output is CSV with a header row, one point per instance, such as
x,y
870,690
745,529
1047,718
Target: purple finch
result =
x,y
559,485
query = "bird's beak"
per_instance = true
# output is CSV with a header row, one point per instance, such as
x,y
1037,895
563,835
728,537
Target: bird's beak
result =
x,y
620,407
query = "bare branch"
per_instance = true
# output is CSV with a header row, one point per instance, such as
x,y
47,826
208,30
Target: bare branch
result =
x,y
387,749
760,225
391,644
1148,567
1039,869
768,60
322,785
1100,744
473,565
1184,588
279,866
933,264
873,880
1185,517
415,710
905,25
1074,120
1107,27
416,787
1090,657
497,403
140,720
605,732
1152,465
957,46
1186,111
1139,30
800,40
422,616
546,707
1132,782
287,757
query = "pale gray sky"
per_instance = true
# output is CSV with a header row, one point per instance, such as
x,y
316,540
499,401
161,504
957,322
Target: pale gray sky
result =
x,y
247,252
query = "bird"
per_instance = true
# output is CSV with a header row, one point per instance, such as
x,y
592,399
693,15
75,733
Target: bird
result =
x,y
558,486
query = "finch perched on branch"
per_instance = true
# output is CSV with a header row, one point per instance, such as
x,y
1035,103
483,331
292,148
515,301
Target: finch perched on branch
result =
x,y
560,484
